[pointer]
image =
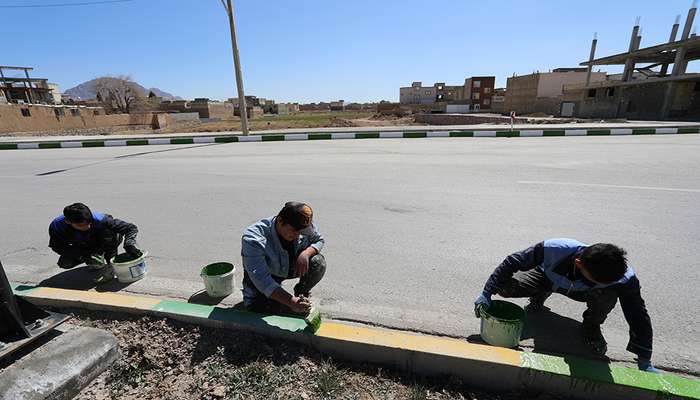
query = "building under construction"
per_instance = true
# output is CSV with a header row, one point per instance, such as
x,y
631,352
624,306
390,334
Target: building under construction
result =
x,y
653,85
25,89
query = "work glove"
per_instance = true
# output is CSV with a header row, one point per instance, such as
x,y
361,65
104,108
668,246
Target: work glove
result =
x,y
645,365
481,302
133,251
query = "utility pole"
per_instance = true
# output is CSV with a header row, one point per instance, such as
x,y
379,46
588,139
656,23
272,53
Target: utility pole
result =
x,y
237,65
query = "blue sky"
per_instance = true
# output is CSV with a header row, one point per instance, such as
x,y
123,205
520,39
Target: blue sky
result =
x,y
313,50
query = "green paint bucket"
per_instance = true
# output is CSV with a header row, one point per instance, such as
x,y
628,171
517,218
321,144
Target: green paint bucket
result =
x,y
218,279
502,324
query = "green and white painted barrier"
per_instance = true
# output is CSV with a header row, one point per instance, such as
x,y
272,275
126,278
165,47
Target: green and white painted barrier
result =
x,y
26,145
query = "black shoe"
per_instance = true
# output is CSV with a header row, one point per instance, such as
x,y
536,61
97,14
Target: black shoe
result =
x,y
301,291
536,303
593,339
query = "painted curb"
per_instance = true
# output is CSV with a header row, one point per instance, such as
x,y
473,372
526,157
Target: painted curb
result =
x,y
478,365
349,135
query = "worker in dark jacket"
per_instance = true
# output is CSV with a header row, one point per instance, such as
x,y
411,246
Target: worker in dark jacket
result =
x,y
82,236
597,275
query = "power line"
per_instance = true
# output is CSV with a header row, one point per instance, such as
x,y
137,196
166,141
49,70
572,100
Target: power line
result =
x,y
84,3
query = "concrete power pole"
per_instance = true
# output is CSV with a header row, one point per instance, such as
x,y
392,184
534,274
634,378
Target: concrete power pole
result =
x,y
237,64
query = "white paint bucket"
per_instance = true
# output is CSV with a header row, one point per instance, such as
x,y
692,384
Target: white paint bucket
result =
x,y
129,269
218,279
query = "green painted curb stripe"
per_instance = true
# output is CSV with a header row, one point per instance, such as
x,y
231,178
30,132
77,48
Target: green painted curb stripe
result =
x,y
320,136
599,371
93,144
414,135
182,141
367,135
598,132
461,134
556,132
507,133
225,139
644,131
22,289
688,130
230,315
50,145
8,146
272,138
137,142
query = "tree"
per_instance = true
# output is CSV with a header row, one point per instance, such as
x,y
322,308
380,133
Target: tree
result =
x,y
118,94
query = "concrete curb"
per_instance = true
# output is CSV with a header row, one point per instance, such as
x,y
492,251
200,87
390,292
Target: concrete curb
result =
x,y
39,144
61,368
478,365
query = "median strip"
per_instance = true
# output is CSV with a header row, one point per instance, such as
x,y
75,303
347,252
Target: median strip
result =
x,y
479,365
351,135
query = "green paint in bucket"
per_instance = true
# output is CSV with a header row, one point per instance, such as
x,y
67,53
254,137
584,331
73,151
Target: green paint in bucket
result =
x,y
502,324
218,279
219,268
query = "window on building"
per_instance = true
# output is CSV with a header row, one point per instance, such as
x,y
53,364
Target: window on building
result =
x,y
75,112
487,102
475,96
487,90
591,92
439,87
439,97
610,92
59,112
26,112
477,84
427,92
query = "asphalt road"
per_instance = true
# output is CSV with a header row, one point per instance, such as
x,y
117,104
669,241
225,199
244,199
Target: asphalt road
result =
x,y
413,227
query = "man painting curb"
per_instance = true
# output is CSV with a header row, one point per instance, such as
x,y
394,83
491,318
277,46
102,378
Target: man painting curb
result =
x,y
82,236
596,274
282,247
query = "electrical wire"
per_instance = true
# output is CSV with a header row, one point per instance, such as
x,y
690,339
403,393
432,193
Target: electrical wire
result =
x,y
82,3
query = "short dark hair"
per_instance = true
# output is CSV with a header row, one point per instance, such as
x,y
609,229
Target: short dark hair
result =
x,y
77,213
605,262
296,214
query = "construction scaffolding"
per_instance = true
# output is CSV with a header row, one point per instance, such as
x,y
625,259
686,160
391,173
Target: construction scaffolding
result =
x,y
24,89
646,79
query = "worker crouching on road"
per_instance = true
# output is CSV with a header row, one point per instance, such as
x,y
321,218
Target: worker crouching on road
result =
x,y
82,236
274,249
597,275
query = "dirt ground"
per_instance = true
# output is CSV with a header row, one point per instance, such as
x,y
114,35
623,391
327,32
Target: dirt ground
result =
x,y
166,359
300,120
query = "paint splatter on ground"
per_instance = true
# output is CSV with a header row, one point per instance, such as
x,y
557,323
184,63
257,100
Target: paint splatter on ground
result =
x,y
162,358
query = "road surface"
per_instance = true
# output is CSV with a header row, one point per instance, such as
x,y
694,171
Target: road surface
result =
x,y
413,227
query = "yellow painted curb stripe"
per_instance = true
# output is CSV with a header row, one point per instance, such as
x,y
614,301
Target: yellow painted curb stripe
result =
x,y
425,344
107,299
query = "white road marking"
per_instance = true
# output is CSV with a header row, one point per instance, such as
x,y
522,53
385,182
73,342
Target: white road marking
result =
x,y
611,186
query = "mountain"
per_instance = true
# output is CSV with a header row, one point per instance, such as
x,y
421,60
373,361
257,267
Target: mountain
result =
x,y
86,90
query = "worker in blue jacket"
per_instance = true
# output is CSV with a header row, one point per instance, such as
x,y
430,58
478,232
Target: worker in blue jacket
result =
x,y
597,275
81,236
277,248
